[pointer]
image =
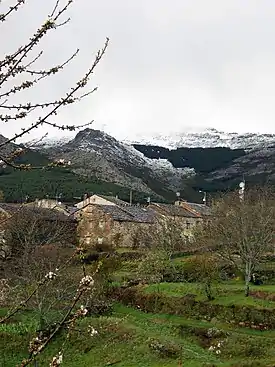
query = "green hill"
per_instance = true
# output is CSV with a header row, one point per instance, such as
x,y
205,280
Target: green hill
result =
x,y
16,185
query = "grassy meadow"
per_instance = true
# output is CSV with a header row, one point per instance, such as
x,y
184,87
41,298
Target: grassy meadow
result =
x,y
159,324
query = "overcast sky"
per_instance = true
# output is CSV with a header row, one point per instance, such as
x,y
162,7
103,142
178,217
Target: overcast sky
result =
x,y
171,66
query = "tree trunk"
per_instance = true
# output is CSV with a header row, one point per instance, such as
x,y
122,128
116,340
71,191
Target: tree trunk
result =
x,y
248,269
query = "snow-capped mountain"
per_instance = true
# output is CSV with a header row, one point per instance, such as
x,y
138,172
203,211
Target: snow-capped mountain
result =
x,y
191,138
95,153
208,138
149,164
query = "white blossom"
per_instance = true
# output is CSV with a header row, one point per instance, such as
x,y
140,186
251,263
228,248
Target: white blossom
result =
x,y
92,331
87,281
50,275
57,360
218,351
84,310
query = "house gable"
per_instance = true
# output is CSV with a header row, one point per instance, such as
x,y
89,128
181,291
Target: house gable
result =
x,y
101,200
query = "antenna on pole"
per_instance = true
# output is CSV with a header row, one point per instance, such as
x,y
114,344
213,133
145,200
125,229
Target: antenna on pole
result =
x,y
241,190
204,196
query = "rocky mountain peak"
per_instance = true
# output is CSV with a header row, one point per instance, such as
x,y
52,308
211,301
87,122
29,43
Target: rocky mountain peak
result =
x,y
91,140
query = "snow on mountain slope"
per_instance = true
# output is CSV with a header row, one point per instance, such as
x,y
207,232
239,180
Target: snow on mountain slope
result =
x,y
93,152
194,138
208,138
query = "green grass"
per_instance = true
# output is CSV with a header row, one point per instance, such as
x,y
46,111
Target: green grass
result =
x,y
123,339
225,293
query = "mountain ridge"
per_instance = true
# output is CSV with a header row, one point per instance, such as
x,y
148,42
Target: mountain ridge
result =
x,y
208,138
102,164
191,138
93,152
206,164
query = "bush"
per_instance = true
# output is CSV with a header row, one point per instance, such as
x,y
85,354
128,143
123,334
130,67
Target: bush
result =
x,y
187,271
131,255
154,266
248,347
205,336
188,306
100,307
165,349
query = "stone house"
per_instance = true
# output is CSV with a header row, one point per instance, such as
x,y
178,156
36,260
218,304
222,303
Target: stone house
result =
x,y
108,221
187,215
102,226
185,219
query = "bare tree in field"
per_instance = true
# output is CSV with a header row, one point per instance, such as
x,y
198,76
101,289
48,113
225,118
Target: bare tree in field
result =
x,y
18,74
242,230
39,241
30,229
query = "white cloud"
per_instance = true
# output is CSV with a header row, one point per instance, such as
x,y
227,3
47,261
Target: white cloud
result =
x,y
170,65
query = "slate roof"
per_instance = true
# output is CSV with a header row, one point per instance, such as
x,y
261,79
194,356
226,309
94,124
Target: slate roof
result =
x,y
71,210
42,213
128,214
10,208
201,209
114,200
173,210
142,215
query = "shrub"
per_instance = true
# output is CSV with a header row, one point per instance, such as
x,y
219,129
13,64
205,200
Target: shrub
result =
x,y
165,349
154,266
131,255
100,307
247,347
205,336
252,317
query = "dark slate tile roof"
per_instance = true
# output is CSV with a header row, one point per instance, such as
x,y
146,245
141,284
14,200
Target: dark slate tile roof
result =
x,y
202,209
43,213
142,215
10,208
116,213
50,214
114,200
173,210
128,214
71,210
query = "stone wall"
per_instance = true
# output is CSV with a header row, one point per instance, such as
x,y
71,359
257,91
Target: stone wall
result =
x,y
97,229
